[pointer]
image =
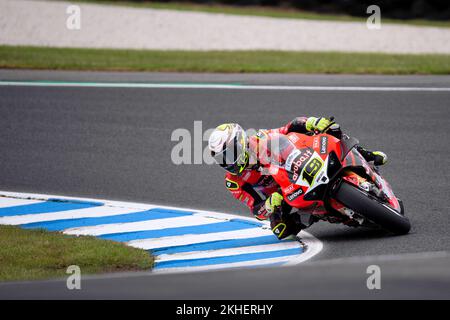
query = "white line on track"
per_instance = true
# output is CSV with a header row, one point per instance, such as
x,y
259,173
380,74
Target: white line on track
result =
x,y
188,239
7,202
226,252
284,260
183,221
94,212
218,86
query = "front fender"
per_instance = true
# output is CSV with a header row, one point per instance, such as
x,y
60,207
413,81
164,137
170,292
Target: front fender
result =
x,y
357,168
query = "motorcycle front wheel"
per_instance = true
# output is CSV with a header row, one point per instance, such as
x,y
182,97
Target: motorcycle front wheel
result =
x,y
372,209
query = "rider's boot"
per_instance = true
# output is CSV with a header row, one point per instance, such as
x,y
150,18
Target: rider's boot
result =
x,y
379,158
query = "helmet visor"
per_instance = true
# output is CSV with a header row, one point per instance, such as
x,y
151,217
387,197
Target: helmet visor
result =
x,y
234,156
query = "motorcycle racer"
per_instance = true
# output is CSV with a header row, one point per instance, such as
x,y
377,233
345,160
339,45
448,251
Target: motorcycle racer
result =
x,y
243,158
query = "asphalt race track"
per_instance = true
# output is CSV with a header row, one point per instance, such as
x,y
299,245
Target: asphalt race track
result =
x,y
115,143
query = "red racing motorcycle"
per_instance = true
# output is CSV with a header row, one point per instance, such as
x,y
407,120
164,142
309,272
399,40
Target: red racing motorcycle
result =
x,y
328,178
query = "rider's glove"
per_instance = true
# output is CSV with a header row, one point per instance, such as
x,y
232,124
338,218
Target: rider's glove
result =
x,y
273,202
320,124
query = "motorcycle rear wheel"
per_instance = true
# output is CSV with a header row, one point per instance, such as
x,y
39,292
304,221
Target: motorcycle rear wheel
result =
x,y
372,209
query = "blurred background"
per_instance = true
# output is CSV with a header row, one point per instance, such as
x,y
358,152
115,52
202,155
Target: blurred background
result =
x,y
396,9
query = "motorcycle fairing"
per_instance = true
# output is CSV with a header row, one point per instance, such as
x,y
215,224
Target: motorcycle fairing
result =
x,y
307,166
306,169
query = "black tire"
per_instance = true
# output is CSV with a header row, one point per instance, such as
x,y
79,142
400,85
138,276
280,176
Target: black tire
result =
x,y
367,206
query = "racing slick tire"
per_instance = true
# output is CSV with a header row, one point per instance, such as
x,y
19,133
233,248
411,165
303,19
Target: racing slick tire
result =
x,y
372,209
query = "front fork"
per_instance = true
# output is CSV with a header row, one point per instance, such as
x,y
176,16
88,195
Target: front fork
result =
x,y
343,210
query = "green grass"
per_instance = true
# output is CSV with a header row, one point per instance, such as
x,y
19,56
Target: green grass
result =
x,y
262,12
221,61
39,254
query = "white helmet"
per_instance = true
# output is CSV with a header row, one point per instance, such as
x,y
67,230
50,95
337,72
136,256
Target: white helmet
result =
x,y
228,145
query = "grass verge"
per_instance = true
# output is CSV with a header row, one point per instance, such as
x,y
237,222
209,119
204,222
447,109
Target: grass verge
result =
x,y
259,11
221,61
39,254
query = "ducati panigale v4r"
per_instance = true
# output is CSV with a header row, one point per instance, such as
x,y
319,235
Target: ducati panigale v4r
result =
x,y
328,178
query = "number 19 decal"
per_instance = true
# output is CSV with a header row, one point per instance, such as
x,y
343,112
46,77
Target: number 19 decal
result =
x,y
311,170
